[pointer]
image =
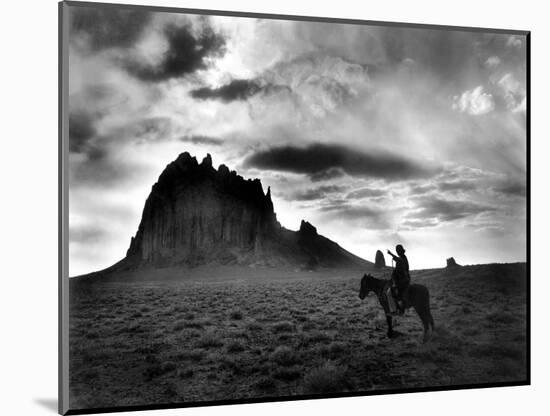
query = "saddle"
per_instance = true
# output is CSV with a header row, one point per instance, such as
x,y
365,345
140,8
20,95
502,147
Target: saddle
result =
x,y
392,299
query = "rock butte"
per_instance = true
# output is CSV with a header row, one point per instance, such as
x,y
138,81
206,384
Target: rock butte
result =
x,y
196,215
379,260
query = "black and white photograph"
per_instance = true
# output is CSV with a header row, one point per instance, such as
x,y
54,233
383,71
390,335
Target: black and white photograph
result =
x,y
268,208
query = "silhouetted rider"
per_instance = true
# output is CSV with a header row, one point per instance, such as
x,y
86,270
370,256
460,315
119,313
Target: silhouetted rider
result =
x,y
400,276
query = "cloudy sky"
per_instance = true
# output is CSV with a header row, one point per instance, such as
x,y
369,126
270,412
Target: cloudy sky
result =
x,y
376,135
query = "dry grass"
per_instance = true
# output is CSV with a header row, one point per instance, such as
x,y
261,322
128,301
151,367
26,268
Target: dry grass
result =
x,y
134,344
329,378
285,356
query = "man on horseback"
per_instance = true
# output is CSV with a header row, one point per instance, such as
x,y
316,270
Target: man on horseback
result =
x,y
401,277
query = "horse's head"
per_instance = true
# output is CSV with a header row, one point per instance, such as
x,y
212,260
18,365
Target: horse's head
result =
x,y
366,286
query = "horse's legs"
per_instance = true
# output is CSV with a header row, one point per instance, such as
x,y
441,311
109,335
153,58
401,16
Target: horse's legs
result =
x,y
426,318
390,328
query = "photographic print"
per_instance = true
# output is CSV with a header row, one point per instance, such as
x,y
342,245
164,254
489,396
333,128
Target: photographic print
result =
x,y
260,208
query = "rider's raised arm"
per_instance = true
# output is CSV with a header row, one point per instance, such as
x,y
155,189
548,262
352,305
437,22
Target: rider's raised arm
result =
x,y
393,255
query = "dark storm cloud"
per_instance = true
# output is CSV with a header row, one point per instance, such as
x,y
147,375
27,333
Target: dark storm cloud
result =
x,y
513,189
444,210
238,89
325,175
211,141
186,54
317,193
81,131
83,137
366,193
87,108
319,158
108,27
105,28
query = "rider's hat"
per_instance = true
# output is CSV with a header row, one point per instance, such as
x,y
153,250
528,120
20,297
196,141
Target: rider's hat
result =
x,y
399,248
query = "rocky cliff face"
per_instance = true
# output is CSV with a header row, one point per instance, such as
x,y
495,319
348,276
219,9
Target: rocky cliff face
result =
x,y
198,215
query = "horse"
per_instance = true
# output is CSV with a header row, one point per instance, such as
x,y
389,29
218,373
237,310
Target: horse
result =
x,y
418,297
